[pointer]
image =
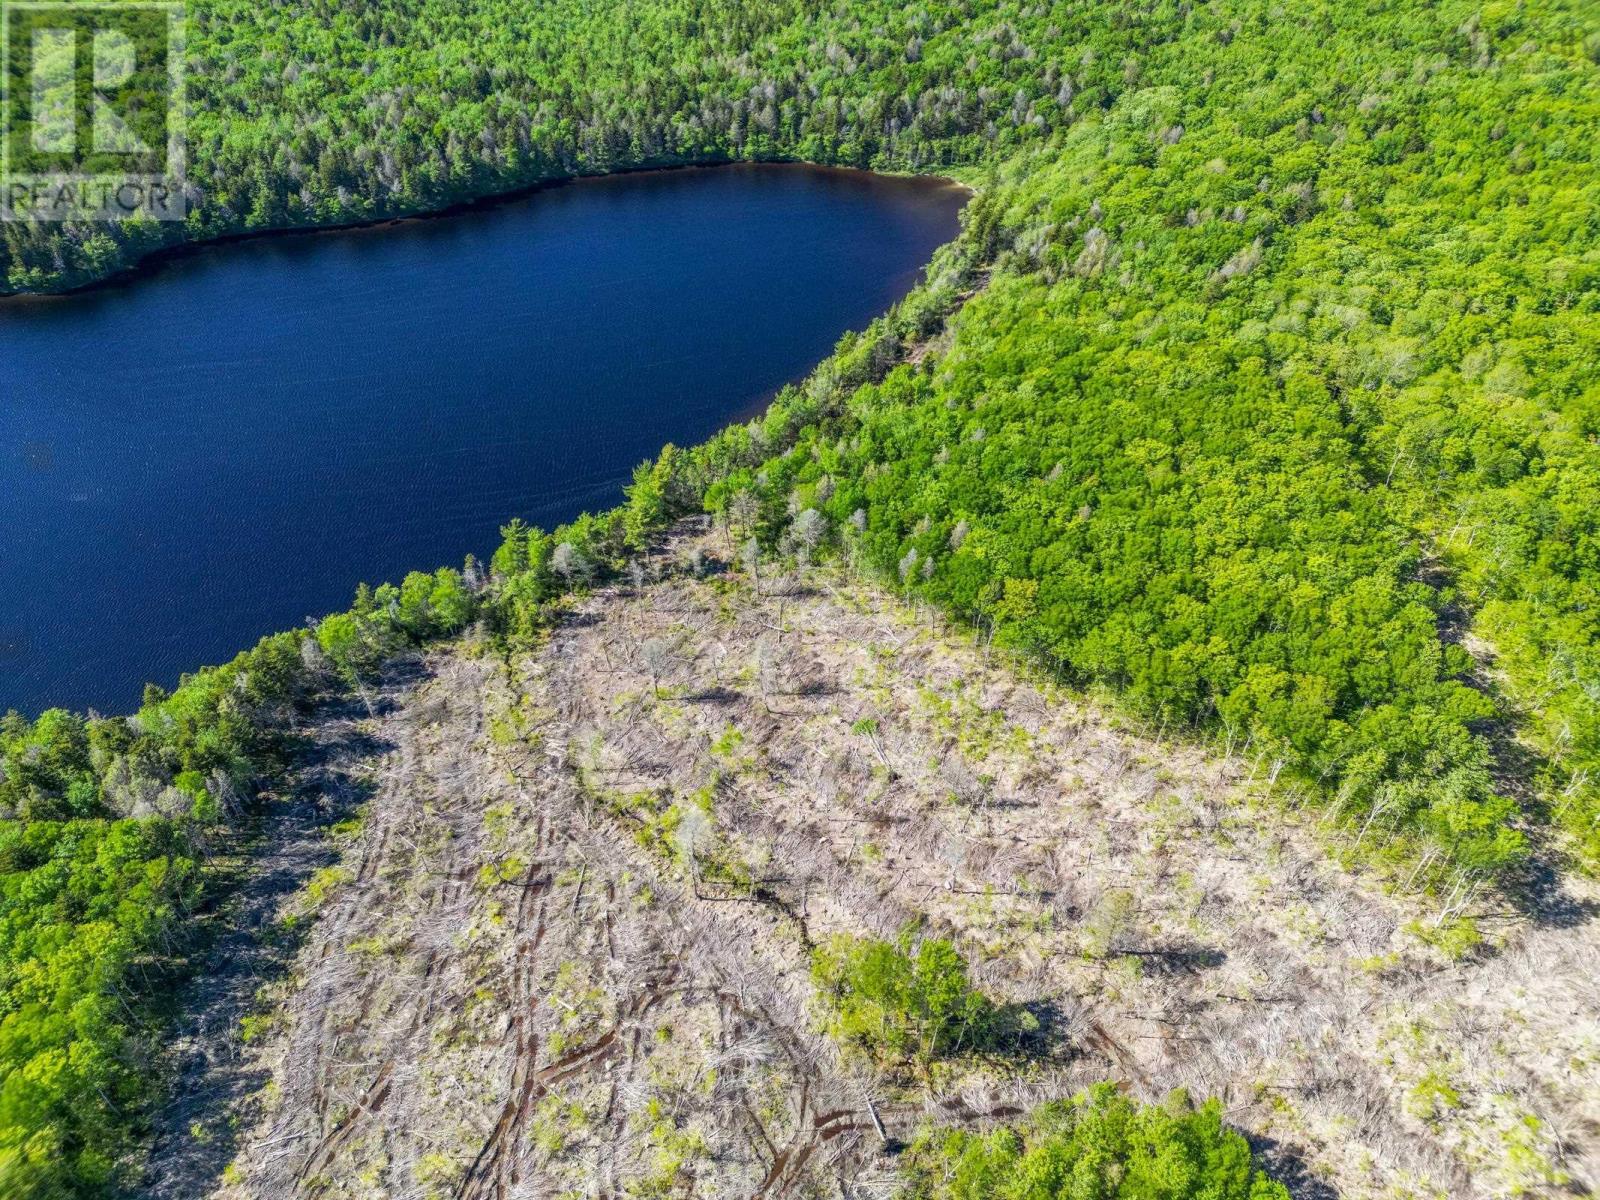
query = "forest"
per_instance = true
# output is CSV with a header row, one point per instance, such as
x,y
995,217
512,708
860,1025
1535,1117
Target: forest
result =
x,y
1261,393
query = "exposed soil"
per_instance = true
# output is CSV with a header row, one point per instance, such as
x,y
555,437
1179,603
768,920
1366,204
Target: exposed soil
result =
x,y
525,978
211,1075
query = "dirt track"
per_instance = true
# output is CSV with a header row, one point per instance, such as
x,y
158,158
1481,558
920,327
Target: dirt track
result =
x,y
527,979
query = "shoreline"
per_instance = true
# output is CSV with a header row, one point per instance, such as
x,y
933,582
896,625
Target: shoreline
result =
x,y
922,199
164,256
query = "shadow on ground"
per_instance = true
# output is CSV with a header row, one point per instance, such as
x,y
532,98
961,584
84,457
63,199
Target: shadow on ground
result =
x,y
208,1074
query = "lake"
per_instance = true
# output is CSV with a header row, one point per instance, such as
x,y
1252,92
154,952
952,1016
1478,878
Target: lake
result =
x,y
228,444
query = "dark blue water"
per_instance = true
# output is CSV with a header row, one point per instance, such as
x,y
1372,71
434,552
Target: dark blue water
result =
x,y
222,448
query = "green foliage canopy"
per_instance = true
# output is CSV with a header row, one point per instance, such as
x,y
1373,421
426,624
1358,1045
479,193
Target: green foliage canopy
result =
x,y
1097,1146
906,999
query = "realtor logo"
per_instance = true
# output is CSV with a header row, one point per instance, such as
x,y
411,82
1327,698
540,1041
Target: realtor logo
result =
x,y
93,111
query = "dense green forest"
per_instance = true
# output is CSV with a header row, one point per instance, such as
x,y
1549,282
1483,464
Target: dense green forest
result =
x,y
106,858
319,113
1265,395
